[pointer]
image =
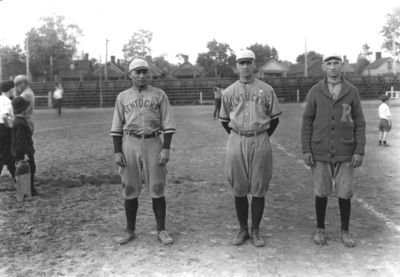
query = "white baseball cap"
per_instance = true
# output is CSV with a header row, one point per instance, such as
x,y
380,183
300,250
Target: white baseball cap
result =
x,y
245,55
332,55
138,64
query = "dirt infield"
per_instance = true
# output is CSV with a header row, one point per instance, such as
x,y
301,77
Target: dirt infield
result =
x,y
72,227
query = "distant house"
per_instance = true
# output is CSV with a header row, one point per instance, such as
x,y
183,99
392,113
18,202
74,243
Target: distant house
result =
x,y
75,70
115,71
187,71
314,69
155,72
271,69
381,67
349,69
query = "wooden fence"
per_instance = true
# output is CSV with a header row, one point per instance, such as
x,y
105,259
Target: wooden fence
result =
x,y
187,91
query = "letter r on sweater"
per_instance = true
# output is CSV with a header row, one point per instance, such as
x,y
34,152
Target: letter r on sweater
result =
x,y
346,113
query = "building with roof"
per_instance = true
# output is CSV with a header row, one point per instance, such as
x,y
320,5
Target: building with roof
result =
x,y
75,70
272,68
314,69
381,67
187,70
115,71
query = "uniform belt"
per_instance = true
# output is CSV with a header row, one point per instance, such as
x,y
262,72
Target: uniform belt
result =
x,y
152,135
249,133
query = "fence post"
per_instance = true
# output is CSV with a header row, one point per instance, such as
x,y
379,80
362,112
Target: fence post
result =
x,y
201,98
298,96
50,100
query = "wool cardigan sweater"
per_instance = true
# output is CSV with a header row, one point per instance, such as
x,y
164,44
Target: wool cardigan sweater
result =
x,y
333,130
22,142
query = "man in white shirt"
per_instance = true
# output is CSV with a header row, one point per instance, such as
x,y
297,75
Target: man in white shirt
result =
x,y
6,121
58,95
385,124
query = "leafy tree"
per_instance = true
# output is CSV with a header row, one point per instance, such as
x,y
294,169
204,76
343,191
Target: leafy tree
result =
x,y
391,27
365,53
362,63
56,38
263,53
161,63
139,45
220,56
13,61
311,56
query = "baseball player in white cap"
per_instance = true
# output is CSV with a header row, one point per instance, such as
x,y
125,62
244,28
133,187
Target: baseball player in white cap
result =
x,y
22,88
141,113
333,141
249,113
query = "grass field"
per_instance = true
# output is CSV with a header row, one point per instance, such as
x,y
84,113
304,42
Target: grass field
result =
x,y
71,228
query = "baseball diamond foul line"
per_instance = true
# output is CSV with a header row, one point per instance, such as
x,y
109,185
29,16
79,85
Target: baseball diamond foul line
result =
x,y
365,205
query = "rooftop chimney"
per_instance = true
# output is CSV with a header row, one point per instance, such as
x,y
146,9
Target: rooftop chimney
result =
x,y
186,58
378,55
118,62
87,56
113,59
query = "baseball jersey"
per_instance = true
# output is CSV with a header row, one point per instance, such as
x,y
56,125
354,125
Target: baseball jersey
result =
x,y
249,106
142,112
28,95
58,94
5,107
384,111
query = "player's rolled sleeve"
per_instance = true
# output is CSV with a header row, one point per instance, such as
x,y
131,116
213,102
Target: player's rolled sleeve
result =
x,y
118,119
274,108
225,108
167,117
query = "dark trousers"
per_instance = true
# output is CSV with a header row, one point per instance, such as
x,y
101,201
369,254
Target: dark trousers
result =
x,y
217,107
5,150
57,105
32,165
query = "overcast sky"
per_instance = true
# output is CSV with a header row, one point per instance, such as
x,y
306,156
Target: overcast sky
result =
x,y
186,26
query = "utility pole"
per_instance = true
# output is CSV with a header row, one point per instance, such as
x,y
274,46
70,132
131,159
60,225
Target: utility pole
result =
x,y
1,68
28,74
51,68
394,53
305,59
105,65
101,89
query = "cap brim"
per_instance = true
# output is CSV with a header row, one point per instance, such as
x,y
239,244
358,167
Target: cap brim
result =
x,y
244,59
139,68
332,58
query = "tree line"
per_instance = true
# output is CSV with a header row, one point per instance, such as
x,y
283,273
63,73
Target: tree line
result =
x,y
57,37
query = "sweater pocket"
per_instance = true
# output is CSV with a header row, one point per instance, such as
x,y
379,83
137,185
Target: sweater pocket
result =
x,y
347,132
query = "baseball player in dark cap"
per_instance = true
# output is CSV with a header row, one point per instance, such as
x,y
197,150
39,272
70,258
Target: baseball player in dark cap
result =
x,y
333,141
141,113
6,122
249,113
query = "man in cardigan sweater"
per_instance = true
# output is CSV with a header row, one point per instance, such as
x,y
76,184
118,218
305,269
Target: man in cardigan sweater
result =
x,y
333,142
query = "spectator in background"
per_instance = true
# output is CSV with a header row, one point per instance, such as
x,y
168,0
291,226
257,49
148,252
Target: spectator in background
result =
x,y
385,123
58,95
217,97
6,122
23,89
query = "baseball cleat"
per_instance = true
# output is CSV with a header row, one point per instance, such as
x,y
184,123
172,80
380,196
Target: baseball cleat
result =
x,y
165,238
320,237
128,235
257,238
241,237
346,239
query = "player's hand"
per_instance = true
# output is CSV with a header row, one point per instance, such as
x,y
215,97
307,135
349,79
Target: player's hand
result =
x,y
308,159
119,159
163,157
356,160
26,157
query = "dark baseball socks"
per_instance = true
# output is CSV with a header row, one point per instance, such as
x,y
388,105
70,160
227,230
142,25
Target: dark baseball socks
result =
x,y
344,207
131,208
242,211
160,208
320,209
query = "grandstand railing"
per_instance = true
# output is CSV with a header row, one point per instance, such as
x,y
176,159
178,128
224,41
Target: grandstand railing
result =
x,y
187,91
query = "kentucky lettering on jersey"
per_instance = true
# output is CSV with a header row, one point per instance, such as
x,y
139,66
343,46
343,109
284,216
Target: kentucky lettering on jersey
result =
x,y
142,112
249,106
